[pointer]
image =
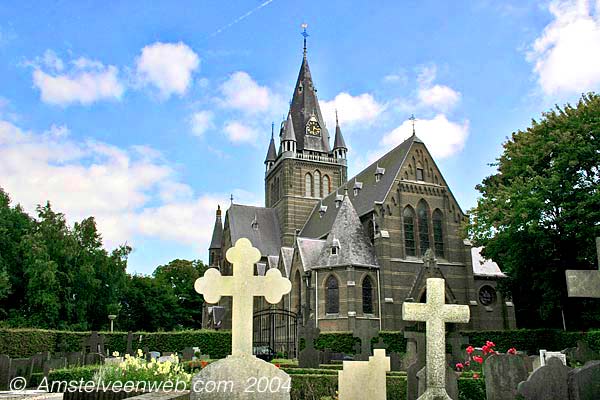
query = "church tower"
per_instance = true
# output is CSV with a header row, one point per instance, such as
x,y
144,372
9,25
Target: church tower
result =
x,y
305,169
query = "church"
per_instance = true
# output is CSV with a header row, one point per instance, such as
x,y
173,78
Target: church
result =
x,y
356,249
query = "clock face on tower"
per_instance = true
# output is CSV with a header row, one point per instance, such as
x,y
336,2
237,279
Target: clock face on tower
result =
x,y
313,128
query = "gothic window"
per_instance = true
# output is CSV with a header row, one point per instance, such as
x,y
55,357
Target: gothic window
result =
x,y
409,231
420,175
367,296
423,219
438,234
326,185
333,296
308,185
317,190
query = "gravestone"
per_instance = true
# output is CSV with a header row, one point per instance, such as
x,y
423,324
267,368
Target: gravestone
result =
x,y
94,359
93,344
584,382
456,342
153,354
309,357
188,354
326,356
74,358
365,334
549,382
131,340
243,372
395,361
169,358
451,382
54,363
582,283
436,314
582,353
38,360
4,371
364,379
503,373
416,342
545,355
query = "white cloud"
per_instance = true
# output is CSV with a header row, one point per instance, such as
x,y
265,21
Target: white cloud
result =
x,y
566,56
351,109
238,132
439,97
242,93
131,192
168,67
201,121
86,82
442,137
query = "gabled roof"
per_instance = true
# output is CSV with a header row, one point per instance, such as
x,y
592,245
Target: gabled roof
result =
x,y
483,266
309,251
258,224
304,105
371,191
348,235
285,257
217,236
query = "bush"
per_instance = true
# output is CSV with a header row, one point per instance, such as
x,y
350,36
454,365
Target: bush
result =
x,y
71,374
471,389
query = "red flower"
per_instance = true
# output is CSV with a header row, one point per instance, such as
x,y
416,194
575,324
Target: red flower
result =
x,y
459,366
277,365
512,350
489,344
475,376
203,363
470,349
467,363
478,359
486,349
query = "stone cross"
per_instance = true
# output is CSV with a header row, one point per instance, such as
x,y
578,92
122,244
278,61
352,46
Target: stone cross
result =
x,y
243,286
582,283
435,313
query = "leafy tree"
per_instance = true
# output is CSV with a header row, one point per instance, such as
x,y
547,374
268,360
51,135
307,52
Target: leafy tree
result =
x,y
539,214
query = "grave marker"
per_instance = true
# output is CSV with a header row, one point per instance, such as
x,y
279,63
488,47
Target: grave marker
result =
x,y
584,283
549,382
435,313
309,357
359,380
503,373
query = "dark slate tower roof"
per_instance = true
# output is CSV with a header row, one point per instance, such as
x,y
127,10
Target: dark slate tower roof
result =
x,y
271,153
304,106
338,142
217,235
287,133
258,224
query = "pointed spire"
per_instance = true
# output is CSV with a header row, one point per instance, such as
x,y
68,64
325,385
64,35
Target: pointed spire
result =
x,y
217,235
271,152
338,142
288,130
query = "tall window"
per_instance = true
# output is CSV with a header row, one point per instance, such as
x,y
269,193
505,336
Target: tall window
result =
x,y
298,284
308,185
317,191
367,296
423,215
333,296
420,174
409,231
326,185
438,234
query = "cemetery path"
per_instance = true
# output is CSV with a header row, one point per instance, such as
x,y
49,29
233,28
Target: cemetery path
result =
x,y
30,395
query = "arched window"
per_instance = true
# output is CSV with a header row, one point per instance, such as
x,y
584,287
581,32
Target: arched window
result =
x,y
409,231
326,185
438,233
317,190
367,295
332,296
308,185
423,218
420,174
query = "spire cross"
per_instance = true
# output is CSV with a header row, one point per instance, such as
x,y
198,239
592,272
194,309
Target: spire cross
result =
x,y
435,313
305,34
272,128
413,119
231,198
243,286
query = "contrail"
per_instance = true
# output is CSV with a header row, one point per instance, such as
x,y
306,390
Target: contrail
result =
x,y
238,19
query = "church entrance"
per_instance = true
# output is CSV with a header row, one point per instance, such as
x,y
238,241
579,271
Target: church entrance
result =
x,y
275,333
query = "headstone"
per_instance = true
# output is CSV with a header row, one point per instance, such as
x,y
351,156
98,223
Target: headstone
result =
x,y
188,354
549,382
94,359
169,358
584,382
365,334
436,314
503,373
94,343
133,342
74,358
364,379
326,356
54,363
583,353
38,360
415,342
395,361
456,342
451,382
246,375
154,354
536,362
309,357
4,371
113,360
584,283
21,367
545,355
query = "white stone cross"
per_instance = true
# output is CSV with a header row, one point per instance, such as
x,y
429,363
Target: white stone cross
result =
x,y
360,380
435,313
584,283
243,286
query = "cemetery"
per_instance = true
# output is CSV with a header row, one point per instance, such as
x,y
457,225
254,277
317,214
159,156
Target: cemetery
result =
x,y
349,270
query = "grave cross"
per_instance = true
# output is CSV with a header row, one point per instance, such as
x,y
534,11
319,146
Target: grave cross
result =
x,y
582,283
243,286
435,313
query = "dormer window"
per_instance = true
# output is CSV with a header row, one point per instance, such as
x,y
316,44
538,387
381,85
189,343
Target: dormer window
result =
x,y
335,247
357,187
338,200
322,210
255,224
379,173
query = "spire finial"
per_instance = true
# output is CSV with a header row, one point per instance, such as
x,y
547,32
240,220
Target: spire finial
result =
x,y
231,198
305,34
272,129
337,123
413,119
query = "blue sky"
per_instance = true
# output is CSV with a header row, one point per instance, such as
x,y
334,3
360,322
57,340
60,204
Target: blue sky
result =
x,y
147,116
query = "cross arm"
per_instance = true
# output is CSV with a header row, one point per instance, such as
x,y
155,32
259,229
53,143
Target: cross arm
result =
x,y
456,313
272,286
415,312
213,285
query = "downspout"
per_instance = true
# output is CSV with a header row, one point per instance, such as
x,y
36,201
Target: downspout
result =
x,y
379,298
316,284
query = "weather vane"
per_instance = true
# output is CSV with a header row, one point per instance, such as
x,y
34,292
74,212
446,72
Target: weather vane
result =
x,y
305,34
413,119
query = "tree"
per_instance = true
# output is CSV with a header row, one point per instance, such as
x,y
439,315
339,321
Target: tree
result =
x,y
539,214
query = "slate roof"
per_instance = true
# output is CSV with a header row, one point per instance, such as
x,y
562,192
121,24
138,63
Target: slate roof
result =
x,y
371,192
288,130
304,105
215,242
338,142
348,234
272,261
266,236
483,266
271,153
286,256
309,251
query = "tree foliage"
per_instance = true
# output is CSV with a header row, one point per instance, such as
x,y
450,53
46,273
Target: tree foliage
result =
x,y
539,213
56,276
